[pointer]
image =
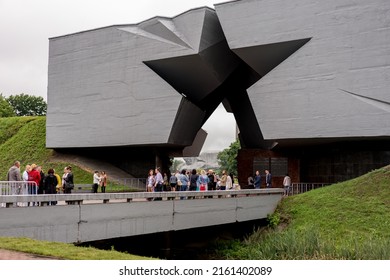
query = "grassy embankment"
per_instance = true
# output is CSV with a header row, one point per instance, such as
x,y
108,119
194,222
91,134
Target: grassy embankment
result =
x,y
63,251
24,139
349,220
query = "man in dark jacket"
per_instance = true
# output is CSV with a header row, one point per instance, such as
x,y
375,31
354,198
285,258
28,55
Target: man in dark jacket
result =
x,y
257,180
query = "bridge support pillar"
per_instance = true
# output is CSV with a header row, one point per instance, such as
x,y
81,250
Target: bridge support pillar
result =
x,y
167,245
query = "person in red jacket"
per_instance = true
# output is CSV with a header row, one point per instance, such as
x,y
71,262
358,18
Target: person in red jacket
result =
x,y
34,176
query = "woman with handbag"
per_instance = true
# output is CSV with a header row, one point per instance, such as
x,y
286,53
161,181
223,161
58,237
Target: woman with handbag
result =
x,y
203,181
68,180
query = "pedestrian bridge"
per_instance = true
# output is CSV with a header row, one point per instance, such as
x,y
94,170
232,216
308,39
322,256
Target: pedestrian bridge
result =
x,y
90,217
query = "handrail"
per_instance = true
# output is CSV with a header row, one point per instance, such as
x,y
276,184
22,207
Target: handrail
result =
x,y
297,188
18,188
45,199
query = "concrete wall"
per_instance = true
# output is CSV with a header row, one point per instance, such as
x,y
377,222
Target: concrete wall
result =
x,y
334,85
90,222
102,94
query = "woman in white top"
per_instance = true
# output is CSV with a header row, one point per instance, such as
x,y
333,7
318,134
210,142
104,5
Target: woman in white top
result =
x,y
287,184
25,173
229,182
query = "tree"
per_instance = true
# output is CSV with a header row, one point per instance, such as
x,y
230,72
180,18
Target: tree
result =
x,y
176,163
227,159
6,109
28,105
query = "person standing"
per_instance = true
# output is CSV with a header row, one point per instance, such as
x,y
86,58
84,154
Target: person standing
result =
x,y
96,182
158,185
103,181
223,181
184,180
257,180
212,185
286,184
203,181
27,185
250,182
58,188
193,180
25,173
150,183
14,176
41,189
268,179
173,182
51,184
229,182
34,176
68,180
166,186
63,179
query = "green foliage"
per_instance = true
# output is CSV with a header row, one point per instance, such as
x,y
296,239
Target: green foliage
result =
x,y
27,105
227,159
349,220
10,126
24,139
62,250
273,219
6,110
175,165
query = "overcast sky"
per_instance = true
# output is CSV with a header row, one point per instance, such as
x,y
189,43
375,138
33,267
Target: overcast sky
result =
x,y
26,26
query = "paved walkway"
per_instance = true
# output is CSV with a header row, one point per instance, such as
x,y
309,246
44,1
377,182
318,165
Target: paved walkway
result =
x,y
14,255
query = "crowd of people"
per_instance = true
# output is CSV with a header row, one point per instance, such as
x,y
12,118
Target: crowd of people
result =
x,y
37,182
186,180
189,180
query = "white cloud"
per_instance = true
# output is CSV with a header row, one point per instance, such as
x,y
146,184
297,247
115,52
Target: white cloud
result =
x,y
221,129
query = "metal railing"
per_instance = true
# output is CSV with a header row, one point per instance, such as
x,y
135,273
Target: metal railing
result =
x,y
21,188
135,183
120,185
297,188
18,188
74,198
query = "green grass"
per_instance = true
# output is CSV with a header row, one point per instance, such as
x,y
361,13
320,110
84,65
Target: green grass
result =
x,y
349,220
62,250
24,139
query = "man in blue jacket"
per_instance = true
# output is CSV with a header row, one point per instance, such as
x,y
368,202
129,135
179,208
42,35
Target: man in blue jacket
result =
x,y
257,180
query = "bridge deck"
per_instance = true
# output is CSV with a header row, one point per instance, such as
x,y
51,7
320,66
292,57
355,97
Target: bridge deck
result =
x,y
90,217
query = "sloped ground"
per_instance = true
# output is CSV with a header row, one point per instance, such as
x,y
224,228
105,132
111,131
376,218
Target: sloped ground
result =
x,y
24,139
14,255
90,165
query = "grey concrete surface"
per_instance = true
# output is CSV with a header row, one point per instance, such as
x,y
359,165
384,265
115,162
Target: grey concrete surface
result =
x,y
94,220
335,85
102,91
288,70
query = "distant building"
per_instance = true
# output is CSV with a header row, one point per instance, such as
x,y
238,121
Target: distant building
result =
x,y
307,81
